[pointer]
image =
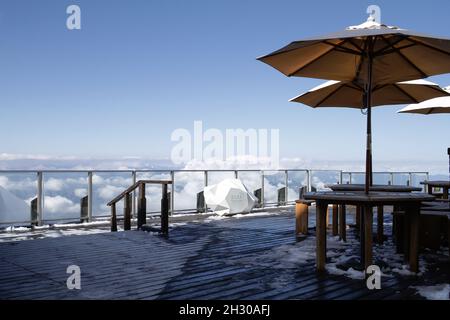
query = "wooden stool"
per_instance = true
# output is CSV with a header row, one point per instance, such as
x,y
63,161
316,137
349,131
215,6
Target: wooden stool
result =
x,y
301,216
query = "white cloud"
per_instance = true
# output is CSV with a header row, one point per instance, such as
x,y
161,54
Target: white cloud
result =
x,y
59,205
53,184
108,192
80,192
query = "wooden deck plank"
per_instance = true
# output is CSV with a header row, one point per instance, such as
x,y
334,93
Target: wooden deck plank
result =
x,y
215,260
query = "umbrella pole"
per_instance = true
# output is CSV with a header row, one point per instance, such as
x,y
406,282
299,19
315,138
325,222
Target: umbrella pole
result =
x,y
368,181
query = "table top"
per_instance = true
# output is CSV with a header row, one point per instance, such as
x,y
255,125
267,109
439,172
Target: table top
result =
x,y
373,198
436,183
375,187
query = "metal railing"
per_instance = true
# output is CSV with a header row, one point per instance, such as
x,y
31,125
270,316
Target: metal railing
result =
x,y
270,182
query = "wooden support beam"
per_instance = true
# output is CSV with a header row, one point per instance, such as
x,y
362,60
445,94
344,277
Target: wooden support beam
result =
x,y
113,218
127,212
321,235
164,211
335,220
358,217
142,207
84,210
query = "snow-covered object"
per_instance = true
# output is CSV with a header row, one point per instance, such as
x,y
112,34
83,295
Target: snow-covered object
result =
x,y
230,196
12,208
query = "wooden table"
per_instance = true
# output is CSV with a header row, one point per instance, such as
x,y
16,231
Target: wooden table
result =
x,y
380,211
375,187
411,203
445,185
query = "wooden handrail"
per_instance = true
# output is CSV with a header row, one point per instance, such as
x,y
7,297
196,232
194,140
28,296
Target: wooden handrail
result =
x,y
134,186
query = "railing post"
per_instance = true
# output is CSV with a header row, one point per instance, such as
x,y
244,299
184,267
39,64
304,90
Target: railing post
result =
x,y
286,184
410,179
113,218
142,207
262,188
133,181
206,184
40,198
309,184
127,212
350,177
164,211
235,174
172,192
89,195
392,178
340,177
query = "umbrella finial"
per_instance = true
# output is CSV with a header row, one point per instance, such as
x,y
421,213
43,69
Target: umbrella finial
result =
x,y
373,21
374,12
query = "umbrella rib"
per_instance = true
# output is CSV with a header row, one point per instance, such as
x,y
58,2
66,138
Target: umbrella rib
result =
x,y
350,40
379,87
424,75
439,90
399,48
418,41
311,62
342,48
406,93
383,50
326,97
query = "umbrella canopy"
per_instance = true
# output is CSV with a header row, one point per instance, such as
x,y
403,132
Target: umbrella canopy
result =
x,y
367,55
347,94
394,55
436,105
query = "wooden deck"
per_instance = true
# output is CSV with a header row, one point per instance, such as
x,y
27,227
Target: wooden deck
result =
x,y
223,259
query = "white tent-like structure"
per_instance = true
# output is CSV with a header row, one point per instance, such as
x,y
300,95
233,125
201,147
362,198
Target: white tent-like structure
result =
x,y
12,208
230,196
431,106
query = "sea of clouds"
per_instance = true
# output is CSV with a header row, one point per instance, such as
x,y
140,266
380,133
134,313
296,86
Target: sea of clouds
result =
x,y
63,191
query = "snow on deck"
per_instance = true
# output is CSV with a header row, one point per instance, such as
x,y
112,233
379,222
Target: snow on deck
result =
x,y
242,257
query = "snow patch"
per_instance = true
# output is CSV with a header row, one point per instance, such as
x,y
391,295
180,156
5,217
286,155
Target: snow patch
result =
x,y
437,292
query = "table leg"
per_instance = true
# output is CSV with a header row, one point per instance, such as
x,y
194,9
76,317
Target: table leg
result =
x,y
342,223
414,214
380,224
358,217
406,235
368,221
335,220
362,238
321,235
445,195
448,235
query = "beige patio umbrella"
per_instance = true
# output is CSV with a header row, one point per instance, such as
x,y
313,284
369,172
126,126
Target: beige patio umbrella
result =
x,y
343,94
432,106
367,55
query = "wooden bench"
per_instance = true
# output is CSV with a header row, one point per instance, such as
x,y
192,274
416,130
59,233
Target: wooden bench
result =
x,y
302,215
434,222
432,228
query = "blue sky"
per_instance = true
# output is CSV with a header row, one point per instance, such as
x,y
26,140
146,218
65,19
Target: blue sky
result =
x,y
137,70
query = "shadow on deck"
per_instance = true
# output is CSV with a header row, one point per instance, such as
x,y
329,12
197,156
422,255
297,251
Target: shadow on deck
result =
x,y
254,257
